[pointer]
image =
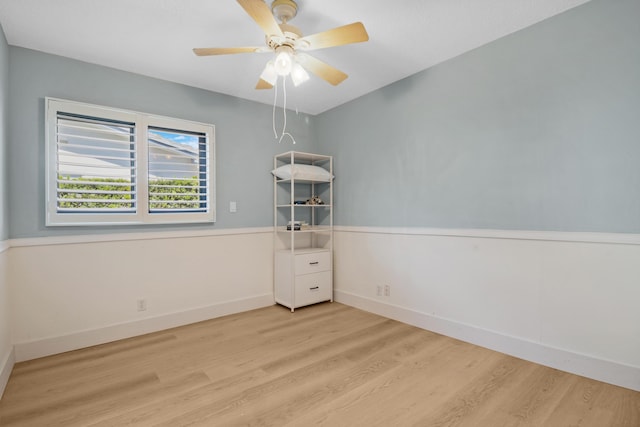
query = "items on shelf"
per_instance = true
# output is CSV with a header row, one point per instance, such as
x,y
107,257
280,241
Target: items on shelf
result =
x,y
315,200
298,225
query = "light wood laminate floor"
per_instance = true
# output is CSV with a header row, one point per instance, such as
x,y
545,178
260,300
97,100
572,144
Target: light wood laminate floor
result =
x,y
327,364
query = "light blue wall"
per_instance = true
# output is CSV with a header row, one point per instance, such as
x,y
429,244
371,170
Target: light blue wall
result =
x,y
6,345
4,109
244,136
539,130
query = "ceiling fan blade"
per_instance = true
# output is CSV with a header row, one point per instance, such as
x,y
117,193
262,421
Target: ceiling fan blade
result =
x,y
261,13
321,69
352,33
206,51
263,84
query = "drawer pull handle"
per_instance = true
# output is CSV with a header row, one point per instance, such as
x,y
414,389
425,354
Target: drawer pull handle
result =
x,y
314,263
315,288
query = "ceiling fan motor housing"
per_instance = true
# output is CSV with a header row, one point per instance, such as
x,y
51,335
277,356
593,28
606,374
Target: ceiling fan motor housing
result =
x,y
284,10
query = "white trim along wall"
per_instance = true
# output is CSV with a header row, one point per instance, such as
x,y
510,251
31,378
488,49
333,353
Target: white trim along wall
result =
x,y
565,300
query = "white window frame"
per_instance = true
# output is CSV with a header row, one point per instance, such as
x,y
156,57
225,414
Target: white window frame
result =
x,y
142,122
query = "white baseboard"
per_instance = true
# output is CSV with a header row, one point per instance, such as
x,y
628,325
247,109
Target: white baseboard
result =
x,y
5,370
46,347
575,363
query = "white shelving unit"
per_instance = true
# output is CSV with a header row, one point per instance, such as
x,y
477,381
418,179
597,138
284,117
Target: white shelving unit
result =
x,y
303,265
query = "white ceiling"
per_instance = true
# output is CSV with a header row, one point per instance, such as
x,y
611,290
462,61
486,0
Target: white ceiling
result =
x,y
155,38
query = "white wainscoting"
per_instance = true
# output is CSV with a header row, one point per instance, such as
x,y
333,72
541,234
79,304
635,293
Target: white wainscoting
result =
x,y
7,358
6,366
565,300
73,292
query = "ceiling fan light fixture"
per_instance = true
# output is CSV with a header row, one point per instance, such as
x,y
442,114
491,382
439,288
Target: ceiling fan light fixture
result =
x,y
269,74
298,74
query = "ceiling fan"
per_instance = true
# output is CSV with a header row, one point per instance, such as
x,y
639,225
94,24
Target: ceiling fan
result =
x,y
289,44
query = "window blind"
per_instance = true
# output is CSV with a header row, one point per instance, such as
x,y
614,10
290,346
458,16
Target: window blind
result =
x,y
178,171
95,164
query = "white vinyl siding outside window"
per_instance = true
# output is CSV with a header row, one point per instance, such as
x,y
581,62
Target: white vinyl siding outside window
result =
x,y
111,166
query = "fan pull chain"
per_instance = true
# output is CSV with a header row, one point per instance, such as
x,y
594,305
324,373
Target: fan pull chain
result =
x,y
273,116
284,111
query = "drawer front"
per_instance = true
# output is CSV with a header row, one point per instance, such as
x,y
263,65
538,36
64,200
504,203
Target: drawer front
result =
x,y
313,288
313,262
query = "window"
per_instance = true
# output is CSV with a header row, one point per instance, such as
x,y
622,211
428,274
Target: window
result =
x,y
109,166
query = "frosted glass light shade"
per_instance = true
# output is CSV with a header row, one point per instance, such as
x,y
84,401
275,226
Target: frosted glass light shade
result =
x,y
283,63
269,74
298,74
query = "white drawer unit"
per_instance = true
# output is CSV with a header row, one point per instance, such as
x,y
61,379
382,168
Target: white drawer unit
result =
x,y
303,279
303,228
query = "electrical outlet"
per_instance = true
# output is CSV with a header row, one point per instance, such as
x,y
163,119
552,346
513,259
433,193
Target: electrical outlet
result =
x,y
387,290
142,305
379,290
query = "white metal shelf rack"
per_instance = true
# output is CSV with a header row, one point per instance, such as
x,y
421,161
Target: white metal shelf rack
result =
x,y
303,264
